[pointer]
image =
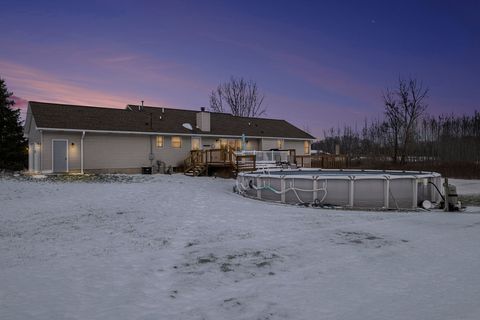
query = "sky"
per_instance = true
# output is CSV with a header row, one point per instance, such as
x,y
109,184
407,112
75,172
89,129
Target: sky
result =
x,y
320,64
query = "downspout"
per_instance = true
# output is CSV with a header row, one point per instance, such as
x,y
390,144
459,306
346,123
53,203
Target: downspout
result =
x,y
151,156
41,152
81,152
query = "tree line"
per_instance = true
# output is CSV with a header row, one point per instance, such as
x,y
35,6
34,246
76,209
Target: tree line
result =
x,y
408,137
433,138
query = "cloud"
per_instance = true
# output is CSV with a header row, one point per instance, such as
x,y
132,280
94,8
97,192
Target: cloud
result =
x,y
34,84
327,78
21,104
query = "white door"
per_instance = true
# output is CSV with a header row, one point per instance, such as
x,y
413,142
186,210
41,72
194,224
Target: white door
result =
x,y
60,156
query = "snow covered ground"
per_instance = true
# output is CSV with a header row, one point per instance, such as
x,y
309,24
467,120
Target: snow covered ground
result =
x,y
466,187
176,247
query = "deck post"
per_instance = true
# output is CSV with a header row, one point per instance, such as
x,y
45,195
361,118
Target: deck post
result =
x,y
315,189
282,188
415,193
259,191
386,193
351,193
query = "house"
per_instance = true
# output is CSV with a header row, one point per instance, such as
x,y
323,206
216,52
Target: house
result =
x,y
73,138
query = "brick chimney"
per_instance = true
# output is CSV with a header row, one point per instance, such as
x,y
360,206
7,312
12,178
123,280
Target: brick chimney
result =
x,y
203,120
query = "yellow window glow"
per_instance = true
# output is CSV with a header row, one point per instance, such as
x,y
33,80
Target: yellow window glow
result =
x,y
159,142
176,142
279,144
195,143
306,147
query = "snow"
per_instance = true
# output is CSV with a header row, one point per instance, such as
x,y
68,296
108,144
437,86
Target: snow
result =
x,y
466,187
176,247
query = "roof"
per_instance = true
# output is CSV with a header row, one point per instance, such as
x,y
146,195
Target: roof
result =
x,y
156,120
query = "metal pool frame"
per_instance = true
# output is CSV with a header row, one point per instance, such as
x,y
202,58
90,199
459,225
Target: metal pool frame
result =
x,y
373,189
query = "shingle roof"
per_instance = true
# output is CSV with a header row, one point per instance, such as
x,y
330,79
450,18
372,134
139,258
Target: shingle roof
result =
x,y
154,119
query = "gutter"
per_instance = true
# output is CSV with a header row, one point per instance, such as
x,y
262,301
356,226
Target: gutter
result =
x,y
173,134
41,152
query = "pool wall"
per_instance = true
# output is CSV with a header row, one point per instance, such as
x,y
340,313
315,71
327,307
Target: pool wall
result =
x,y
350,188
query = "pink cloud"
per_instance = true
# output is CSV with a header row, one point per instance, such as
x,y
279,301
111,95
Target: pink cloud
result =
x,y
20,104
35,84
150,70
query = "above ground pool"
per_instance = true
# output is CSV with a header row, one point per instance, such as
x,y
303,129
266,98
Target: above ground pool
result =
x,y
374,189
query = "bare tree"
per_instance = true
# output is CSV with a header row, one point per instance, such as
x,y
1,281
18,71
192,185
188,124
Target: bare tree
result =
x,y
412,105
403,108
238,97
393,119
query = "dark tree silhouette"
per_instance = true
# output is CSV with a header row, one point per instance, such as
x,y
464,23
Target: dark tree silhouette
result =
x,y
403,109
13,153
238,97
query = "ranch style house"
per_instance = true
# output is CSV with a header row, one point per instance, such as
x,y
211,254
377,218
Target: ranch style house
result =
x,y
76,139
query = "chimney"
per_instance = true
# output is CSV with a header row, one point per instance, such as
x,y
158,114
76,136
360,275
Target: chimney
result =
x,y
203,120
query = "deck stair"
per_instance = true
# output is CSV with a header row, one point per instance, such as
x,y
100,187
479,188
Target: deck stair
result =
x,y
196,170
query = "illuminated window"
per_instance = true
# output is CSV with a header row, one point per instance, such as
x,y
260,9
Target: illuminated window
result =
x,y
238,144
279,144
176,142
223,143
306,147
195,143
159,142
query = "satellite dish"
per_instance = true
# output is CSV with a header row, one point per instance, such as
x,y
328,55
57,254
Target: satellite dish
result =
x,y
187,126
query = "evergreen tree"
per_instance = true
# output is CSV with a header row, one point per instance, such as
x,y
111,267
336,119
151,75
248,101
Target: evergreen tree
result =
x,y
13,151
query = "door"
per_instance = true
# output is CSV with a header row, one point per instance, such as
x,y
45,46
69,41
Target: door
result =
x,y
60,156
196,143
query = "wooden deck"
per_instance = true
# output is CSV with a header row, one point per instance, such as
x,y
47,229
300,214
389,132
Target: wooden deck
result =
x,y
201,161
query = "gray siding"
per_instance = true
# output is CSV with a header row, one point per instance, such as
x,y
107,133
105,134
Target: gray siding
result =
x,y
129,152
172,156
73,151
295,144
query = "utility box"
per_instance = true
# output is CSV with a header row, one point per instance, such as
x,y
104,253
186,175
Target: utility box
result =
x,y
146,170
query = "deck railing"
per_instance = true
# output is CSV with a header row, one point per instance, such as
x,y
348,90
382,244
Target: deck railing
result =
x,y
244,160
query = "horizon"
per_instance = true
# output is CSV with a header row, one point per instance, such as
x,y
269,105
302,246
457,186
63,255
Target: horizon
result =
x,y
319,65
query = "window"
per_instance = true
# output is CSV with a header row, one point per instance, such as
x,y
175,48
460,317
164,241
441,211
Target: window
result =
x,y
223,143
238,144
159,142
306,147
279,144
195,143
235,144
176,142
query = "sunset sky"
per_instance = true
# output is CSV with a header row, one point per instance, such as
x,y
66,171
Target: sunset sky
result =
x,y
320,64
